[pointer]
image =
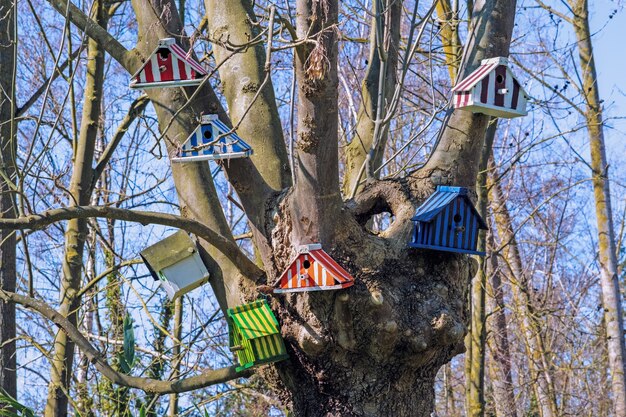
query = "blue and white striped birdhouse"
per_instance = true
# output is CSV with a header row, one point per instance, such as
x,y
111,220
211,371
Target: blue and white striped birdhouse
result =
x,y
448,221
212,141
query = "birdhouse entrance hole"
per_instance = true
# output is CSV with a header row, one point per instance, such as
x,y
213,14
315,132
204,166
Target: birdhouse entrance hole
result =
x,y
164,53
457,218
207,134
499,79
306,264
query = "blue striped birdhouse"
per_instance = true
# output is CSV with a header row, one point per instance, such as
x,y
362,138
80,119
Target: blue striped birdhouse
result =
x,y
212,140
448,221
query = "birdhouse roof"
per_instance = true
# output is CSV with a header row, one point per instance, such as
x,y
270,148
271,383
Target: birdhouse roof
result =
x,y
254,320
192,148
440,199
168,251
185,57
486,66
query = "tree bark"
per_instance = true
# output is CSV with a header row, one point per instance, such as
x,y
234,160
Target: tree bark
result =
x,y
76,232
382,65
611,296
8,129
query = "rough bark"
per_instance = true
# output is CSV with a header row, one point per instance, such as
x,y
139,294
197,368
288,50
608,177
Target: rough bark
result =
x,y
538,360
8,45
382,65
76,231
611,296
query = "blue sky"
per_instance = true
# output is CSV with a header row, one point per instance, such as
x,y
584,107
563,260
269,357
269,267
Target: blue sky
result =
x,y
610,52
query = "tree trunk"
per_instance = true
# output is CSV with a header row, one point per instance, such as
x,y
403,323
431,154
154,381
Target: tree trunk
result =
x,y
531,328
369,140
477,335
177,333
500,364
8,129
611,297
76,232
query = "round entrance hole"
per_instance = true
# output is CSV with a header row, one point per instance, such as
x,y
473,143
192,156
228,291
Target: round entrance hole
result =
x,y
306,264
207,134
457,218
499,79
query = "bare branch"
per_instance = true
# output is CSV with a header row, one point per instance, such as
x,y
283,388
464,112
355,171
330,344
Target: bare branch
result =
x,y
153,386
225,246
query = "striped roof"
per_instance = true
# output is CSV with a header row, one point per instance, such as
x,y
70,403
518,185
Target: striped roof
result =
x,y
486,66
254,320
170,43
438,201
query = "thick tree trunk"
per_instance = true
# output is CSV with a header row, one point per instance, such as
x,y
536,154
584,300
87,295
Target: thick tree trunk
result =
x,y
76,232
611,297
8,46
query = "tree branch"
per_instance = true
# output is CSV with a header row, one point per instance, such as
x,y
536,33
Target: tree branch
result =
x,y
224,245
126,58
135,109
455,158
148,385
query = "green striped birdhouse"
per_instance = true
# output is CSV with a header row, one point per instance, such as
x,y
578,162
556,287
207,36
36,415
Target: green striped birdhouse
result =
x,y
254,335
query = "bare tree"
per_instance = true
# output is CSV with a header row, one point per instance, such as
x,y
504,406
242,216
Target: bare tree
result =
x,y
372,350
8,126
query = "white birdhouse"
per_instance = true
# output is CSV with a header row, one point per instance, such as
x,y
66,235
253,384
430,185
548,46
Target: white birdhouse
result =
x,y
176,263
491,89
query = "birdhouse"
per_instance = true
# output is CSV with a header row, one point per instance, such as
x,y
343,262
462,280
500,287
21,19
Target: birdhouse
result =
x,y
313,270
176,263
448,221
212,141
491,89
254,335
168,66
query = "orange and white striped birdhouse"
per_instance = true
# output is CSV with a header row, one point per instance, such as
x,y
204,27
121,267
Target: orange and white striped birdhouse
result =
x,y
313,270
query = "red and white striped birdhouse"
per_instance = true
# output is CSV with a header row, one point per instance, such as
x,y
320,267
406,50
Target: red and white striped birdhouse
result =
x,y
168,66
313,270
491,89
